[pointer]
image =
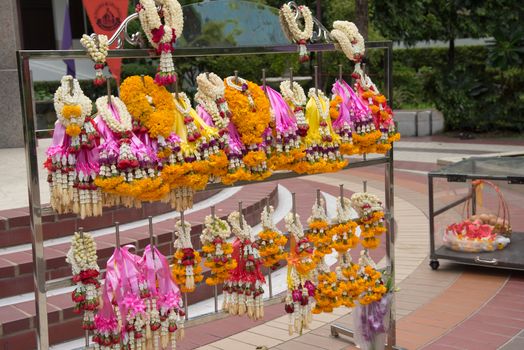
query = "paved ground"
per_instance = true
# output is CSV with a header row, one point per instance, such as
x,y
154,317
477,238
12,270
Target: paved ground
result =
x,y
456,307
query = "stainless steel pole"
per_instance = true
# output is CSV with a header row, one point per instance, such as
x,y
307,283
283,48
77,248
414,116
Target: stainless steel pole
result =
x,y
35,207
390,196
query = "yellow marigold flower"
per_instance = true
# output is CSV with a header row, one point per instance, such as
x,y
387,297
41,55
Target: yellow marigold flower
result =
x,y
71,111
73,130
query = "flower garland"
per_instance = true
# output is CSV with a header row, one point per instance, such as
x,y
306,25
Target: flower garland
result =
x,y
283,136
83,260
120,125
328,292
217,250
304,248
372,283
162,36
250,110
319,233
71,106
151,106
381,112
97,46
371,218
210,95
187,271
291,28
350,280
348,40
72,158
296,99
270,241
243,291
299,300
322,144
343,230
343,113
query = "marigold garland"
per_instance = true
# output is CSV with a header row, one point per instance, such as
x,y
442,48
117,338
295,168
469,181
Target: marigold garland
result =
x,y
371,281
186,271
150,104
319,233
343,228
270,241
328,293
250,110
371,221
217,250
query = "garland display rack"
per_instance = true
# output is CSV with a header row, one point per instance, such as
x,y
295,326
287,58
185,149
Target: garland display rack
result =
x,y
31,134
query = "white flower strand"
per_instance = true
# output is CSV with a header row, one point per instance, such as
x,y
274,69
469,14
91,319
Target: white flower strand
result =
x,y
125,123
82,253
210,95
348,39
293,32
67,96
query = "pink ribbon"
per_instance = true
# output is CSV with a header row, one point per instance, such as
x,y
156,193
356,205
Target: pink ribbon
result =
x,y
284,117
60,140
87,162
110,143
105,319
134,304
202,113
344,112
358,111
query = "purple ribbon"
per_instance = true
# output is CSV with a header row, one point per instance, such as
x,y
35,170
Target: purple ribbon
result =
x,y
372,318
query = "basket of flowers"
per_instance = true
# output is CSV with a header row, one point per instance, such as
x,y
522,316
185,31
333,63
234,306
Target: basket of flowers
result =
x,y
480,232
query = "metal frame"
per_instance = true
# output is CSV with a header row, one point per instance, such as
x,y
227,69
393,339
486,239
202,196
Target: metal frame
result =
x,y
433,255
31,135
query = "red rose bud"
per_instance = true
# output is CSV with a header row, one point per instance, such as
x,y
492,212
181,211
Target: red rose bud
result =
x,y
172,328
181,313
290,308
155,326
304,301
224,259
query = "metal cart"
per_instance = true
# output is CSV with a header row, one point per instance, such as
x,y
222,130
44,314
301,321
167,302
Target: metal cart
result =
x,y
508,172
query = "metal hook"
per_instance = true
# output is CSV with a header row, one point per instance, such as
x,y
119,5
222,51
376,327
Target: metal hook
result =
x,y
71,86
240,216
176,89
236,76
342,196
316,79
213,212
340,72
318,196
365,185
291,77
117,234
143,79
294,207
108,85
264,80
151,237
81,232
182,221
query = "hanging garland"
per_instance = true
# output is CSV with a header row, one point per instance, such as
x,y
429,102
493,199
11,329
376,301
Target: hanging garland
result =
x,y
292,30
296,98
371,218
162,36
151,106
382,114
319,233
187,271
217,250
271,242
328,292
343,229
322,144
83,260
243,291
97,47
349,40
72,157
299,300
251,116
342,112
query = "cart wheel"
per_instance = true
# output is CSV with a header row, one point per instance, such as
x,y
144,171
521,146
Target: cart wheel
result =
x,y
434,264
